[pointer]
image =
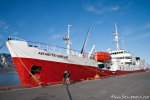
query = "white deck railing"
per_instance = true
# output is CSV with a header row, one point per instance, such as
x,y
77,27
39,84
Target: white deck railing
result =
x,y
51,48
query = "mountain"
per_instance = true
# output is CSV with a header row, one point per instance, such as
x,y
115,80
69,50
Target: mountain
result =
x,y
6,63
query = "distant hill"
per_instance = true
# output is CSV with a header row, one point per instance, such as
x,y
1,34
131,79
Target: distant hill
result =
x,y
6,63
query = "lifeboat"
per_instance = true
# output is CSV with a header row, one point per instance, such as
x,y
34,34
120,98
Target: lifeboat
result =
x,y
102,56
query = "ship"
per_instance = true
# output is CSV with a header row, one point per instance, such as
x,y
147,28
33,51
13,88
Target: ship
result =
x,y
40,64
123,61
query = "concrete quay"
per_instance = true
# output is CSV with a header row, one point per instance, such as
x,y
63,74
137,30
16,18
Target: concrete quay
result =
x,y
127,87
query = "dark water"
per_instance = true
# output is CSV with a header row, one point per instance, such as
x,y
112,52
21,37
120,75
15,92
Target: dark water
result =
x,y
9,79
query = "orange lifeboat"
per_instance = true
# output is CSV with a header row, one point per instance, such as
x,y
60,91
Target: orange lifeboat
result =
x,y
102,56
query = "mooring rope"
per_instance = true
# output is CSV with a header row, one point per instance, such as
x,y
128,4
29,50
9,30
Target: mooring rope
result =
x,y
25,66
2,45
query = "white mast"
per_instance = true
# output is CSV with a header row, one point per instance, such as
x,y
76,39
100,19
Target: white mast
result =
x,y
116,36
66,39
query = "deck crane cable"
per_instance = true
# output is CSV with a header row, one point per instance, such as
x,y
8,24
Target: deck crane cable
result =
x,y
25,66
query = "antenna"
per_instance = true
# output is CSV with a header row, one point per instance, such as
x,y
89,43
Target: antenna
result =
x,y
117,37
66,39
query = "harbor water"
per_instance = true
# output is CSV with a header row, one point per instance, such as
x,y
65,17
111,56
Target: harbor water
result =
x,y
9,79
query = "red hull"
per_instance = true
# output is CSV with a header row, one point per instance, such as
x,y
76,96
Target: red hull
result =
x,y
52,72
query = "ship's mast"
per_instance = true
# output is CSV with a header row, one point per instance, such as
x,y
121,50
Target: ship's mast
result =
x,y
66,39
116,36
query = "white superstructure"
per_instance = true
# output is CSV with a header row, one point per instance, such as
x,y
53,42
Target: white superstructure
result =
x,y
123,60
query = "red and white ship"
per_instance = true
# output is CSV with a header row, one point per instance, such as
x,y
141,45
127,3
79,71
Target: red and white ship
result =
x,y
44,64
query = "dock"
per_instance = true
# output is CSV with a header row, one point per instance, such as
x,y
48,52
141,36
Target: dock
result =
x,y
126,87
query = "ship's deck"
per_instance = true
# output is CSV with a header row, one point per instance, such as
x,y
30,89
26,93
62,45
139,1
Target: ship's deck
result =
x,y
129,87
